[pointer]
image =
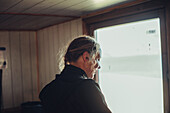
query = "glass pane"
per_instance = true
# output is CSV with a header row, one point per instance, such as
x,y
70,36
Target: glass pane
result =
x,y
131,73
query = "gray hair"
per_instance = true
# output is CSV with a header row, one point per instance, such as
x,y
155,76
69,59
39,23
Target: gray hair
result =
x,y
78,46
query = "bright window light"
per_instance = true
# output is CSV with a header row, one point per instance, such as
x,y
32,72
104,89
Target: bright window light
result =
x,y
131,73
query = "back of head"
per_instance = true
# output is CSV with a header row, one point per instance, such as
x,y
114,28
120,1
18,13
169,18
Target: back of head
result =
x,y
78,46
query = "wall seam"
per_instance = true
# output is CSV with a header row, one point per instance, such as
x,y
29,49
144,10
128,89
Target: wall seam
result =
x,y
21,66
38,77
11,70
30,54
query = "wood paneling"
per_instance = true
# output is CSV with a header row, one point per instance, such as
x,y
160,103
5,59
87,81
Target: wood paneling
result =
x,y
40,36
20,14
20,77
33,57
16,69
4,4
79,27
51,53
26,66
24,5
46,55
74,28
56,49
46,4
52,42
6,78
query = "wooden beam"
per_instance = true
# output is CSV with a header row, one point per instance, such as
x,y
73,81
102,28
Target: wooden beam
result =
x,y
36,14
131,10
116,7
57,23
168,47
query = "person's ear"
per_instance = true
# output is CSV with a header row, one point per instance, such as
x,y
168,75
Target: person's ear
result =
x,y
86,56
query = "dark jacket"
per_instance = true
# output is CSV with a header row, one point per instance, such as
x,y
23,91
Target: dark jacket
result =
x,y
72,92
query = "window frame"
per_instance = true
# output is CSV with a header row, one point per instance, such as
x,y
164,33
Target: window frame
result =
x,y
143,11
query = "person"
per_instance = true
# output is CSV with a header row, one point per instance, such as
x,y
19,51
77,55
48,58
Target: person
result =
x,y
74,90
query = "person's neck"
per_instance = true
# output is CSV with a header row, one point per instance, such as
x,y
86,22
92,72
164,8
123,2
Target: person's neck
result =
x,y
79,63
76,64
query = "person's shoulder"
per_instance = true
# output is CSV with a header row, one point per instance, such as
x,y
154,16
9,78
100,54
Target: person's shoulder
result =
x,y
88,88
88,84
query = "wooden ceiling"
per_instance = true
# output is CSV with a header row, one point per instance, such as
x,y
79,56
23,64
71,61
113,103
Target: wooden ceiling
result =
x,y
38,14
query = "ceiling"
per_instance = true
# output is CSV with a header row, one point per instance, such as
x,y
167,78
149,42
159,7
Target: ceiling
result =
x,y
38,14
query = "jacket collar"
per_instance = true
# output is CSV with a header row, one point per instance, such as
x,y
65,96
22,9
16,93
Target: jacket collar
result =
x,y
73,72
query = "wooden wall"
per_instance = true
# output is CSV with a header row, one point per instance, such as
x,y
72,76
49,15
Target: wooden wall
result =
x,y
52,42
20,78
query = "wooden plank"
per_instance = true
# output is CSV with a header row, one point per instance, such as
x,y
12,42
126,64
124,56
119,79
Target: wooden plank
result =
x,y
79,7
26,66
6,4
16,68
61,46
43,6
46,55
12,21
39,57
48,22
74,29
100,5
80,27
40,37
56,49
67,34
65,6
24,5
4,18
61,32
51,52
33,53
6,78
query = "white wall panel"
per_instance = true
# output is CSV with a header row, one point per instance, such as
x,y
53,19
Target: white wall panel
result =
x,y
7,92
51,52
21,80
33,56
74,28
79,27
16,69
41,58
46,55
56,49
20,77
26,66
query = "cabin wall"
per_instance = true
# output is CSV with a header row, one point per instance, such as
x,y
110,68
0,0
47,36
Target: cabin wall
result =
x,y
22,81
33,60
19,80
52,43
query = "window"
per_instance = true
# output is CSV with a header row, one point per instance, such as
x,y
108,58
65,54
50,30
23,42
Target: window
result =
x,y
131,76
